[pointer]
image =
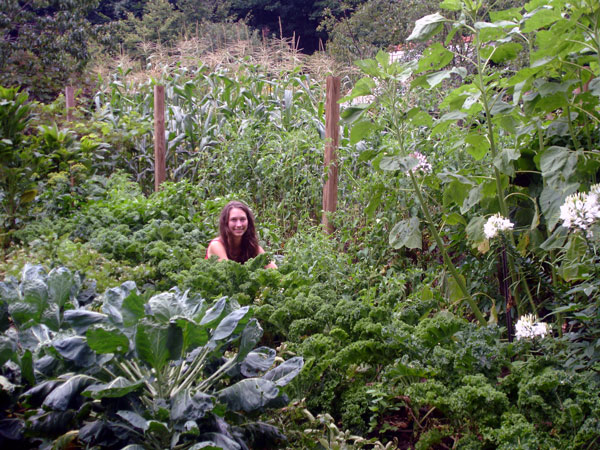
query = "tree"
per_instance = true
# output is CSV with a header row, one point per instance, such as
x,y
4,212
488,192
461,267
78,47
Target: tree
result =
x,y
160,22
374,25
43,43
195,11
299,18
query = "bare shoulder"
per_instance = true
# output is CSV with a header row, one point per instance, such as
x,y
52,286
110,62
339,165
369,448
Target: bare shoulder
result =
x,y
216,248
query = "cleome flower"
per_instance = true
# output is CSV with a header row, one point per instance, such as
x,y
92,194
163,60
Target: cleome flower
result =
x,y
581,210
528,327
496,224
423,165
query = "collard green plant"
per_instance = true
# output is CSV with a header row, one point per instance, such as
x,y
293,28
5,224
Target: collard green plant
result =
x,y
169,371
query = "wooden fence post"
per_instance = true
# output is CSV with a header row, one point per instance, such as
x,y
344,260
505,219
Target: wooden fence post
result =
x,y
159,136
70,102
332,140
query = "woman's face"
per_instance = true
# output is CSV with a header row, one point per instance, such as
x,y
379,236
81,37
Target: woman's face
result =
x,y
238,222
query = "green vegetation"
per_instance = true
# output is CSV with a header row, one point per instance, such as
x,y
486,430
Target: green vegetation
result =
x,y
455,305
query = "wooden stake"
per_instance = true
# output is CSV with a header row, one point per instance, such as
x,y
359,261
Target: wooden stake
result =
x,y
332,140
70,102
159,136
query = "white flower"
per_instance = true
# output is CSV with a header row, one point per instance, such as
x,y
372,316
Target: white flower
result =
x,y
581,210
495,224
528,327
422,165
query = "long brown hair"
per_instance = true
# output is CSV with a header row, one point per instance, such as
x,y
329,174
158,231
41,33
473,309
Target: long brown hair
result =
x,y
249,245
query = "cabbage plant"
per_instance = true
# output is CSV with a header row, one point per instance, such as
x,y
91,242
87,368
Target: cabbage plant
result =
x,y
170,371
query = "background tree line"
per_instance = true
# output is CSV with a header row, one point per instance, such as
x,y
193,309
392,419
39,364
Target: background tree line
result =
x,y
45,44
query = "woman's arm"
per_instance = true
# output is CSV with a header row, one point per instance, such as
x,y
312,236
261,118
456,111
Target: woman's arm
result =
x,y
271,265
216,248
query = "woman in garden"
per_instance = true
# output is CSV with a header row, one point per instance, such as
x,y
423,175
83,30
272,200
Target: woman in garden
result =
x,y
237,238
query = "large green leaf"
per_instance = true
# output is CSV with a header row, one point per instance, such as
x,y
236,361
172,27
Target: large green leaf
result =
x,y
432,80
27,367
539,19
249,394
451,5
556,240
506,52
361,129
419,118
402,163
573,267
448,118
427,27
107,340
12,429
552,198
119,387
406,233
75,349
364,86
258,361
383,58
553,159
35,337
477,145
164,306
60,282
35,301
8,350
33,272
594,87
473,198
285,372
350,114
250,337
435,57
132,308
186,407
375,200
156,343
194,335
475,229
134,419
113,298
230,322
369,67
9,290
504,160
66,395
82,319
213,314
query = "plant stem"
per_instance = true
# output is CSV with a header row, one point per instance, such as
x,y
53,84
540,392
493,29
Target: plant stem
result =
x,y
215,376
449,264
193,371
499,189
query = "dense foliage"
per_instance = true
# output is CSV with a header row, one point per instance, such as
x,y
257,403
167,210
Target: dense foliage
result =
x,y
44,44
128,369
456,304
